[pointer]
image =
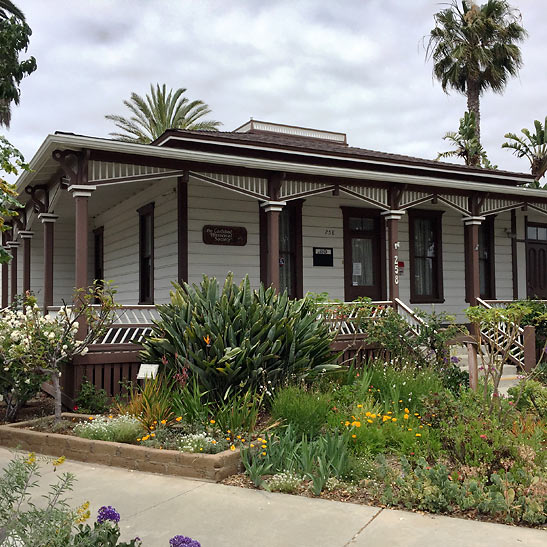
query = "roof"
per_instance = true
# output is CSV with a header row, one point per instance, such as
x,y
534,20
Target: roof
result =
x,y
306,144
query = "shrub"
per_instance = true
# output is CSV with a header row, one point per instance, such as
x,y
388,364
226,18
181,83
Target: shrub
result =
x,y
306,411
236,338
201,442
90,399
530,395
120,429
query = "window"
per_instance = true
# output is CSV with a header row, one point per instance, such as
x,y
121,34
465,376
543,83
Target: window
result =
x,y
146,254
486,259
426,256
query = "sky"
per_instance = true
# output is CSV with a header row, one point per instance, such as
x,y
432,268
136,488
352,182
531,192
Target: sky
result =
x,y
355,66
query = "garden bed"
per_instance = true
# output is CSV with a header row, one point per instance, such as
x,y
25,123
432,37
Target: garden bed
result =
x,y
211,467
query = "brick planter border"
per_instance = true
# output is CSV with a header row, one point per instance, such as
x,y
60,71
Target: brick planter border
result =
x,y
210,467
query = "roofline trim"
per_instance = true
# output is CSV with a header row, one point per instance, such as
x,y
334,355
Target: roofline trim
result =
x,y
520,178
79,142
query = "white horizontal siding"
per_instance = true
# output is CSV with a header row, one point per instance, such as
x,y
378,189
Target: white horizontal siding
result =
x,y
209,204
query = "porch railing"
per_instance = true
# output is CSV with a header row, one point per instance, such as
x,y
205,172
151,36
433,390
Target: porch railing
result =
x,y
345,318
522,351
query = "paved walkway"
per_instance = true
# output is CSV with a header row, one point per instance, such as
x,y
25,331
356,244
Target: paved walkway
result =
x,y
157,507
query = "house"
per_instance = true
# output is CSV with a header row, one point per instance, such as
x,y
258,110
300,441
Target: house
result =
x,y
294,207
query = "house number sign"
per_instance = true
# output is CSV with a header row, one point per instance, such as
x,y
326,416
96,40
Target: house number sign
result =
x,y
225,235
396,265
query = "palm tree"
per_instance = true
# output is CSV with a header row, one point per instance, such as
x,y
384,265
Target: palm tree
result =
x,y
159,112
9,9
467,146
532,146
475,48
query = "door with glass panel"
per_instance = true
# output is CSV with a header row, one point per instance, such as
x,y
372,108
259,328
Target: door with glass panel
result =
x,y
536,260
363,257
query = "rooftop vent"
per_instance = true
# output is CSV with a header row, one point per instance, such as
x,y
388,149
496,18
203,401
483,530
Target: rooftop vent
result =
x,y
255,126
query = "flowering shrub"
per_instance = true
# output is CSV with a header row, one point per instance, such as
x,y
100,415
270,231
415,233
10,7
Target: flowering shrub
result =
x,y
120,429
201,442
183,541
32,344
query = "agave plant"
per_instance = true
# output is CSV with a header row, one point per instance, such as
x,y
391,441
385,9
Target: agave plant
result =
x,y
235,338
532,146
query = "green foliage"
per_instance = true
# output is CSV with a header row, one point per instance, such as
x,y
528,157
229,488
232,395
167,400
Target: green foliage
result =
x,y
158,112
14,39
191,403
532,146
286,482
515,496
306,411
530,395
238,413
289,452
119,429
235,339
466,144
90,399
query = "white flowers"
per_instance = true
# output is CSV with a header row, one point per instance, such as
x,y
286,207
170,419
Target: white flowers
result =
x,y
15,336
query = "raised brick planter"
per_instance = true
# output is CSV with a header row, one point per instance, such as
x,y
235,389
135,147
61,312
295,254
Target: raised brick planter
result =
x,y
211,467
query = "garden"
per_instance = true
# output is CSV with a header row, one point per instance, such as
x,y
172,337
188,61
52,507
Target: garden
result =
x,y
251,373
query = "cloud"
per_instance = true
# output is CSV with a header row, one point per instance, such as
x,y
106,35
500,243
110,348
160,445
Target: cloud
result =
x,y
350,66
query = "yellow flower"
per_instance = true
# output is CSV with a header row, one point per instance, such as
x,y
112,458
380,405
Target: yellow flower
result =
x,y
407,411
152,428
59,461
421,427
389,412
232,448
155,422
405,416
214,422
146,437
393,419
346,424
83,512
385,418
238,436
370,421
264,446
152,434
110,416
353,436
416,414
263,453
418,434
359,406
356,424
31,458
373,416
410,429
163,422
400,400
91,417
200,449
178,419
367,414
252,445
229,431
213,441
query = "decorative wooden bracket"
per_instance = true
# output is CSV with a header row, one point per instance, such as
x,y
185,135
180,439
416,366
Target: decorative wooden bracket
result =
x,y
274,185
39,195
74,166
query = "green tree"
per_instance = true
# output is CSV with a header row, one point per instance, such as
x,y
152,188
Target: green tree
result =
x,y
466,143
158,112
474,48
532,146
14,38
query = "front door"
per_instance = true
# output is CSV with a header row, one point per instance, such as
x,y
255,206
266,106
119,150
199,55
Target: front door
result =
x,y
536,261
364,249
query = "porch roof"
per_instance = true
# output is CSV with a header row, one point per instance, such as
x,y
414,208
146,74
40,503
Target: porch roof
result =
x,y
203,151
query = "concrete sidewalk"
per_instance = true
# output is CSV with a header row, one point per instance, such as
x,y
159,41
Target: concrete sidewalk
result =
x,y
157,507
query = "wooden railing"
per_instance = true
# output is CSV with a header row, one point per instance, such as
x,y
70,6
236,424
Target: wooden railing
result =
x,y
522,349
344,318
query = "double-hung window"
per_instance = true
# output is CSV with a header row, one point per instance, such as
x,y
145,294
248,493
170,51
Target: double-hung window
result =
x,y
146,254
426,283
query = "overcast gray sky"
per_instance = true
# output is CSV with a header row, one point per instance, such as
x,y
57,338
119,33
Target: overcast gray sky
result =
x,y
355,66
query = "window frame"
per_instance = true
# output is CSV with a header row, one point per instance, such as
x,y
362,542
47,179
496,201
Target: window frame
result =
x,y
437,297
144,212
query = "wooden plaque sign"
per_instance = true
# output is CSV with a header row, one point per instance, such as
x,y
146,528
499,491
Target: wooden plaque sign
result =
x,y
225,235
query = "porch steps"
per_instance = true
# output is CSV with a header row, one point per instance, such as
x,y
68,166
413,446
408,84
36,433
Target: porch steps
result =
x,y
509,378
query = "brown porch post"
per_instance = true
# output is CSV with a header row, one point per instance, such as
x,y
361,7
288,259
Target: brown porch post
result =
x,y
5,280
392,218
272,210
48,220
13,245
26,236
81,194
472,279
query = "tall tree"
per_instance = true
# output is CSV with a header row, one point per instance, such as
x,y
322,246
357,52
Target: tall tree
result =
x,y
14,38
532,146
474,48
466,143
160,111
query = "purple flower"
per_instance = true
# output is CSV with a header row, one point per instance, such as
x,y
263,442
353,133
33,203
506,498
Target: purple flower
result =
x,y
183,541
454,359
108,513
